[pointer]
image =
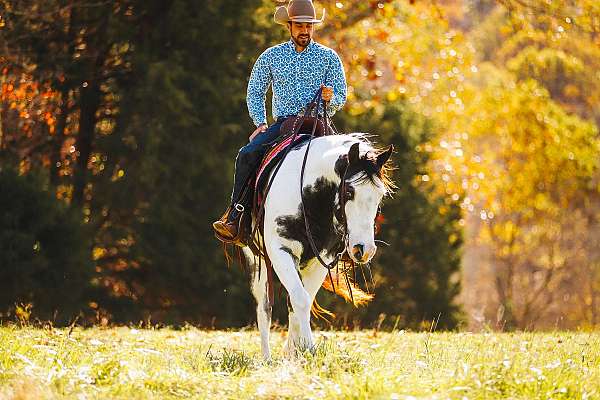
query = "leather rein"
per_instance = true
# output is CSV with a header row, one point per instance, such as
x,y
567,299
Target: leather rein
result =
x,y
313,107
341,215
341,194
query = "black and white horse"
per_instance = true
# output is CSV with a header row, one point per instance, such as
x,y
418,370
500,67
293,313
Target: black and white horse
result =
x,y
286,243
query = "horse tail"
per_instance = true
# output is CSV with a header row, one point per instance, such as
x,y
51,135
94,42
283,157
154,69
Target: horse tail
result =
x,y
320,312
358,296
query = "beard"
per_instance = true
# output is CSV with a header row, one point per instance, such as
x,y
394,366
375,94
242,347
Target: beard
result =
x,y
302,40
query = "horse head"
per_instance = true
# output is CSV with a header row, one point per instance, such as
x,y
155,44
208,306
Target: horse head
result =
x,y
364,183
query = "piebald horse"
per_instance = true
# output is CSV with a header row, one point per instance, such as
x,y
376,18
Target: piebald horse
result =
x,y
333,230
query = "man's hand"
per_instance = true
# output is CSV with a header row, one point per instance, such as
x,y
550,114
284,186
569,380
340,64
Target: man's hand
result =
x,y
327,93
261,128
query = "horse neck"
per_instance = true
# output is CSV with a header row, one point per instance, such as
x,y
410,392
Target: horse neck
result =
x,y
329,149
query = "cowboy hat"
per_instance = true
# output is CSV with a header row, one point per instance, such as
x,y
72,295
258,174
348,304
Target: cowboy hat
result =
x,y
298,11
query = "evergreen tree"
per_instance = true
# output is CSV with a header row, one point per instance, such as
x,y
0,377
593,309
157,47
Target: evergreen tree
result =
x,y
184,117
44,251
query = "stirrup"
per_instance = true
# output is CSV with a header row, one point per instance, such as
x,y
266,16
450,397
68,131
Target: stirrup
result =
x,y
238,239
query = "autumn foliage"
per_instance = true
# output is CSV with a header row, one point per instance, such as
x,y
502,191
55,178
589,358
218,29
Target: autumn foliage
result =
x,y
133,112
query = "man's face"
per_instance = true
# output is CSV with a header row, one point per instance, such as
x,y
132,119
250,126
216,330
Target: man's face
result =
x,y
301,32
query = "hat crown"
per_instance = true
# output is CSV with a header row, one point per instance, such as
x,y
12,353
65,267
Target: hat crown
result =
x,y
298,11
298,8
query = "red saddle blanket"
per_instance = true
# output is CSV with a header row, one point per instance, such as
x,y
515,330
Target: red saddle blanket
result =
x,y
271,159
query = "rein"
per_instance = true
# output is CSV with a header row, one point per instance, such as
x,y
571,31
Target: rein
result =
x,y
341,195
341,191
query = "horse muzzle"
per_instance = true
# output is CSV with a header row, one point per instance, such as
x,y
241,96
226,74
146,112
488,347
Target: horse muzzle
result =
x,y
361,253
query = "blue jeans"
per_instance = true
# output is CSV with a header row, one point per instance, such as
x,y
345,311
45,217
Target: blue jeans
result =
x,y
248,159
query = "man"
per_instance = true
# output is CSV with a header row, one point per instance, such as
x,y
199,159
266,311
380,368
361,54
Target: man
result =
x,y
296,70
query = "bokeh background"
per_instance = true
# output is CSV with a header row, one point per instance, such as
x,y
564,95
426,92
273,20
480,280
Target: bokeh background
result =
x,y
120,121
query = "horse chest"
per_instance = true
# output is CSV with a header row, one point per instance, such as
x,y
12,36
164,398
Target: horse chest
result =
x,y
319,203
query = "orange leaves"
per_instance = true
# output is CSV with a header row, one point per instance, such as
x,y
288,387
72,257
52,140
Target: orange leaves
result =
x,y
34,103
48,94
7,89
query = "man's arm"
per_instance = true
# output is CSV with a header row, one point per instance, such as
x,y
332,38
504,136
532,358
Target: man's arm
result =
x,y
337,80
260,79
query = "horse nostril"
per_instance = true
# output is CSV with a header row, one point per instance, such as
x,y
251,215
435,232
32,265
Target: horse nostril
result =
x,y
358,250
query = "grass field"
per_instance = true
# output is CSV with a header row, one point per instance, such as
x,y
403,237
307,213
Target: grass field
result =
x,y
129,363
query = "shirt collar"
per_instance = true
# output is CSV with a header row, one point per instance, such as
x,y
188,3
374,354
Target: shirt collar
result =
x,y
292,46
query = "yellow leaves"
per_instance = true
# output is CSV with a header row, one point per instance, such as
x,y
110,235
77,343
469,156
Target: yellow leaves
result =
x,y
519,149
412,49
542,201
392,96
98,253
571,91
506,231
453,238
522,154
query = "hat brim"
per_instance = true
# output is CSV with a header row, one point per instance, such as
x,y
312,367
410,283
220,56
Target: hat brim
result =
x,y
281,17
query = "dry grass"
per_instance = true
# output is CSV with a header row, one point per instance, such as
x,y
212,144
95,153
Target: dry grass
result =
x,y
124,363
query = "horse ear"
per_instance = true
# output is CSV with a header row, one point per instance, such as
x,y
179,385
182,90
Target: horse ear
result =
x,y
383,157
353,156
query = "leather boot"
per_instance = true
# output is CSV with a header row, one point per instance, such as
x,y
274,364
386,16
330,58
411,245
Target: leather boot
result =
x,y
227,229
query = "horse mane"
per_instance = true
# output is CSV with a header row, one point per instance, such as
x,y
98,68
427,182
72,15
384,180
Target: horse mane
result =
x,y
368,166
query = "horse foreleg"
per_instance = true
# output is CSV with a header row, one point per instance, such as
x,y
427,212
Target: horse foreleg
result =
x,y
312,278
263,309
293,334
285,268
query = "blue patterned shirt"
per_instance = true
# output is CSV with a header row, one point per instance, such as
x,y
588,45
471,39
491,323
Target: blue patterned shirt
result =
x,y
295,77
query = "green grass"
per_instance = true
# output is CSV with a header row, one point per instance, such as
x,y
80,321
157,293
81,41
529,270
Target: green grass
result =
x,y
169,364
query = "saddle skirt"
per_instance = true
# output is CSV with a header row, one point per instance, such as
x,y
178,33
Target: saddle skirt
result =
x,y
271,159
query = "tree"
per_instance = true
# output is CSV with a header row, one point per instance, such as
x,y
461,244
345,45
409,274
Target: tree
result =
x,y
433,58
182,120
531,164
544,55
44,251
78,49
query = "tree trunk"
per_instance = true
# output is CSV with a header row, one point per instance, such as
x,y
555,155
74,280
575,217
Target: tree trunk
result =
x,y
59,137
90,99
89,102
61,119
